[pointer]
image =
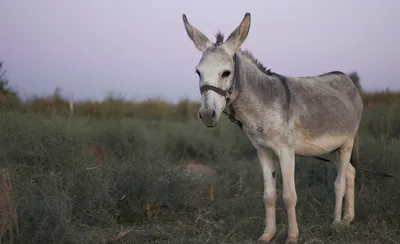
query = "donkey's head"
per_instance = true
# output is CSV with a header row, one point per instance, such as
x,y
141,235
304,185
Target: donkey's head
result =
x,y
216,68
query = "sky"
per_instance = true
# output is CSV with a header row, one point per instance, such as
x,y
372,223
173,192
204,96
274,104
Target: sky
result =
x,y
140,49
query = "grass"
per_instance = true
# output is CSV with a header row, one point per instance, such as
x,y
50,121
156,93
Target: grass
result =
x,y
141,195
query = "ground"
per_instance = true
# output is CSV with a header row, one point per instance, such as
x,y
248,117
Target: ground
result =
x,y
130,188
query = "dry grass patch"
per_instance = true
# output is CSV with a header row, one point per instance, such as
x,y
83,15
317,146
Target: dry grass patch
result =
x,y
8,215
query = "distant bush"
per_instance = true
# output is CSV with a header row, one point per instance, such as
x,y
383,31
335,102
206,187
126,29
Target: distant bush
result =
x,y
356,79
381,98
9,99
153,109
114,106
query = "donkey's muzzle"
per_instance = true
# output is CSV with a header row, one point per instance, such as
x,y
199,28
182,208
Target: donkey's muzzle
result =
x,y
208,116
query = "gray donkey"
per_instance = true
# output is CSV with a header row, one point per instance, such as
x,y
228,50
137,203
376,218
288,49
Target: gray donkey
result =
x,y
282,117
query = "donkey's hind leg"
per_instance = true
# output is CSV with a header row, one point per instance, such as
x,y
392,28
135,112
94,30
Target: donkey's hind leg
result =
x,y
340,182
349,197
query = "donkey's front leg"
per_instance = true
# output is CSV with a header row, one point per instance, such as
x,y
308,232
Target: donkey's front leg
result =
x,y
287,162
268,164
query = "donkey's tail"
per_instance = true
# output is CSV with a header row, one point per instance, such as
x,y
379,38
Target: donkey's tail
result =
x,y
354,159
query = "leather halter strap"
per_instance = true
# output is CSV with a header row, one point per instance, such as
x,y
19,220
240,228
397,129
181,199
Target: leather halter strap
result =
x,y
215,89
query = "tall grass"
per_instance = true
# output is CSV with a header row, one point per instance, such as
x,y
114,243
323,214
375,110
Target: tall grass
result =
x,y
141,194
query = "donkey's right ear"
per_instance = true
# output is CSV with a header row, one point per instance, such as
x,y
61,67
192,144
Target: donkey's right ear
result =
x,y
199,39
237,37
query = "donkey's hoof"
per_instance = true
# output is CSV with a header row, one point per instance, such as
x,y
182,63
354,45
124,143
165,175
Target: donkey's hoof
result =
x,y
347,220
291,240
263,242
337,225
265,238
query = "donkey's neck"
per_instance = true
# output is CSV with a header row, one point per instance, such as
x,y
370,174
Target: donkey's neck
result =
x,y
260,91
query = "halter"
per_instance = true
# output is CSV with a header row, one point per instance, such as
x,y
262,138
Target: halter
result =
x,y
228,93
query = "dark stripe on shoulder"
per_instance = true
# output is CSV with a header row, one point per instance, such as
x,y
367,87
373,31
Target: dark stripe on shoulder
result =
x,y
288,94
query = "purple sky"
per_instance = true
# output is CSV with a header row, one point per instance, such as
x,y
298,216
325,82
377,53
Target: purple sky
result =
x,y
141,49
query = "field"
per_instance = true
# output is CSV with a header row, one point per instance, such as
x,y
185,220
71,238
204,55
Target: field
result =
x,y
133,188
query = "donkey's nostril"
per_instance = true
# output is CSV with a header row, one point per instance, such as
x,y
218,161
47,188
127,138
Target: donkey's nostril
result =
x,y
201,117
213,113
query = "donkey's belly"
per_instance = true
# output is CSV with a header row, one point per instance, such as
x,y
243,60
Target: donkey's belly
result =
x,y
318,146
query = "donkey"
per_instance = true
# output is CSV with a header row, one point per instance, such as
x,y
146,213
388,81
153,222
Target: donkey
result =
x,y
282,116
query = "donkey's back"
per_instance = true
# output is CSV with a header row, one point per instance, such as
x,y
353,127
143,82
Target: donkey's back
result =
x,y
325,111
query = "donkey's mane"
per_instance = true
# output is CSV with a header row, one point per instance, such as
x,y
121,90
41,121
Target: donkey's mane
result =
x,y
257,62
219,39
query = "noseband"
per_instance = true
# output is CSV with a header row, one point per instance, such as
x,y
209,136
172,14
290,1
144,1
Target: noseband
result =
x,y
227,93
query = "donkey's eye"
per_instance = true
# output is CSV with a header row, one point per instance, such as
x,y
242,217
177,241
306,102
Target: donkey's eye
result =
x,y
198,73
226,73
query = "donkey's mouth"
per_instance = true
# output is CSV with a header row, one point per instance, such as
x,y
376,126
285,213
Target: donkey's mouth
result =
x,y
211,126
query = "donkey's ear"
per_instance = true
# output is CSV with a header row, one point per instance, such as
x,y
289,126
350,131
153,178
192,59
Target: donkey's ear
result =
x,y
237,37
199,39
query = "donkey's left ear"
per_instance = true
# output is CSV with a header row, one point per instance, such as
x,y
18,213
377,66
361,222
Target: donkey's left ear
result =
x,y
237,37
199,39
